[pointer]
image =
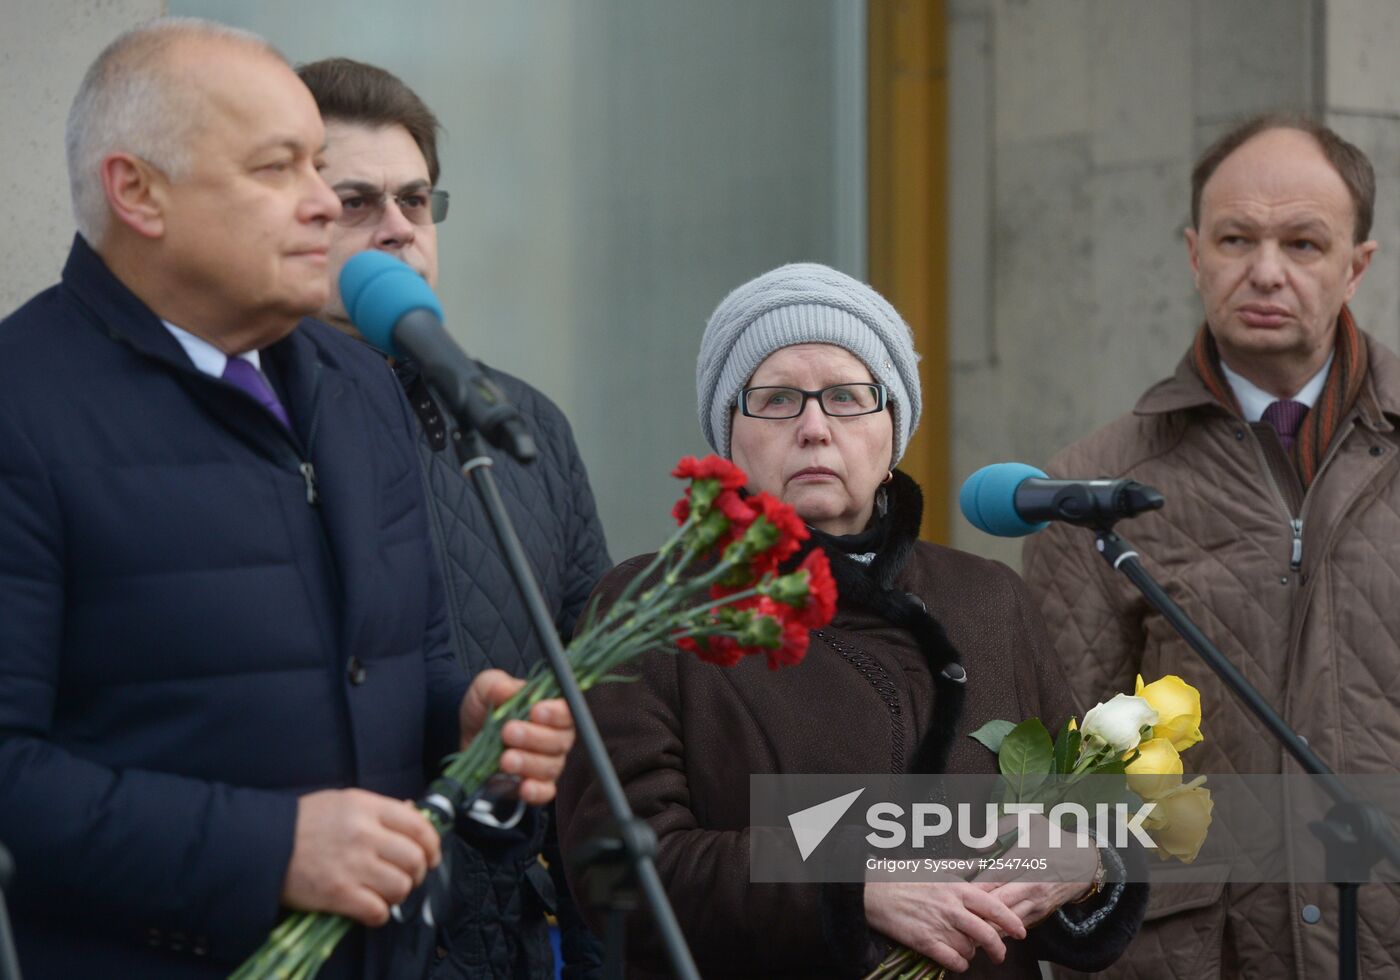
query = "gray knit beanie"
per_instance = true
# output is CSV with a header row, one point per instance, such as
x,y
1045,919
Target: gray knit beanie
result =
x,y
804,303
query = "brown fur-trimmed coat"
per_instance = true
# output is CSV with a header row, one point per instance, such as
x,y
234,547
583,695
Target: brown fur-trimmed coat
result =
x,y
687,735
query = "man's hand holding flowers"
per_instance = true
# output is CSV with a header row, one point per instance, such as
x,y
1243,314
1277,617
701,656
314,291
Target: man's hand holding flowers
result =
x,y
356,853
718,594
535,747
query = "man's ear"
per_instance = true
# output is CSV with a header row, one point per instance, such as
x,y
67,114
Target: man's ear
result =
x,y
1360,262
1191,253
135,193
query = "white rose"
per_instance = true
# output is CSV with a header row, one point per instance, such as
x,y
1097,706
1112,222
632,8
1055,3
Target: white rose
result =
x,y
1119,722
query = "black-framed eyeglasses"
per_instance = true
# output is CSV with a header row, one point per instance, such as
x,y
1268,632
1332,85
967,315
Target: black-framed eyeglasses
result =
x,y
841,401
422,207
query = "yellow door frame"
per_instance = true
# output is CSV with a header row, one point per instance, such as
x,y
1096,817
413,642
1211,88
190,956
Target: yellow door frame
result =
x,y
907,166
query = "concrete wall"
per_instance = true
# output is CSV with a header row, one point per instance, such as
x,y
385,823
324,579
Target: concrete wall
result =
x,y
44,50
1360,94
1075,124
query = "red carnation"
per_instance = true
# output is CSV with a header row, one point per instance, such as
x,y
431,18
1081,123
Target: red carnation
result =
x,y
791,533
793,647
738,511
763,605
712,467
820,606
720,650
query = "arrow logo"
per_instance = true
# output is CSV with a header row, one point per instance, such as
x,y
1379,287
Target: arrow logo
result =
x,y
810,826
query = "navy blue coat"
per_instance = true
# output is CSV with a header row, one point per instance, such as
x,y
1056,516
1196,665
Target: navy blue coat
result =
x,y
189,641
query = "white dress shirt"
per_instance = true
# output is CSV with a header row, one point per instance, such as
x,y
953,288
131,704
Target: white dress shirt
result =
x,y
205,355
1253,399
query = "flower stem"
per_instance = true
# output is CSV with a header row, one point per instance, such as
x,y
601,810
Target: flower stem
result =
x,y
897,958
666,548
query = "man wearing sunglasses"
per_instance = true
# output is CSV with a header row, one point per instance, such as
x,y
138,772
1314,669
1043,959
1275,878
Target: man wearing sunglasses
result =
x,y
381,161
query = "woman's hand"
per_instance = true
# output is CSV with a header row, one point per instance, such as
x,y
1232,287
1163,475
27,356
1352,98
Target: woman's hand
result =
x,y
947,921
1036,880
1034,901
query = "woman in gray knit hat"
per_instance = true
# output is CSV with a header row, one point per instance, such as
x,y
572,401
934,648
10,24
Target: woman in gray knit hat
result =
x,y
809,381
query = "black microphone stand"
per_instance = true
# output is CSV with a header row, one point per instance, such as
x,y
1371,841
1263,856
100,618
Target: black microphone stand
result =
x,y
9,960
635,841
1354,834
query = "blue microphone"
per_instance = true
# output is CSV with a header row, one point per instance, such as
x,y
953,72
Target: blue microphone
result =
x,y
396,310
377,290
1012,499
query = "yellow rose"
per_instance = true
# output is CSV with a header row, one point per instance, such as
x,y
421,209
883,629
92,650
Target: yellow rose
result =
x,y
1179,823
1156,771
1178,707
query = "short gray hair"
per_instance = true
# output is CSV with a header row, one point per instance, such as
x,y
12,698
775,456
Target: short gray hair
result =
x,y
130,101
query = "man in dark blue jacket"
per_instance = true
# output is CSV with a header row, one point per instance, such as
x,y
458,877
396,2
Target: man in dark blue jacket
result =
x,y
381,159
224,658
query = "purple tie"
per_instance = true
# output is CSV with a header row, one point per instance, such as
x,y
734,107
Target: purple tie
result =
x,y
242,374
1287,418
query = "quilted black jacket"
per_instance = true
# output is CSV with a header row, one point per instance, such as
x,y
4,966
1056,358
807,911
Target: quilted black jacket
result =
x,y
498,929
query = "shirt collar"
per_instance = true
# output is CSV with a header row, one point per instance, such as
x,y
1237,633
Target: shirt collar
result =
x,y
204,355
1253,399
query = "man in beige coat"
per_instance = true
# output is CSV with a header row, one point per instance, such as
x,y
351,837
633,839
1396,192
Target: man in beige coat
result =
x,y
1276,448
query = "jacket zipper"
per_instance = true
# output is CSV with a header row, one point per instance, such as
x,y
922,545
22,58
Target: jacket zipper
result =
x,y
308,473
307,468
1307,500
1295,524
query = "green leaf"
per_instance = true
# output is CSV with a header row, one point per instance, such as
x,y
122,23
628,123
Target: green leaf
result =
x,y
1026,756
589,617
1067,749
992,733
790,590
761,535
703,494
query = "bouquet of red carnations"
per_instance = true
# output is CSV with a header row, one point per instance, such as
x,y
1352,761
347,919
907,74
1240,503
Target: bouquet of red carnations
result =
x,y
714,589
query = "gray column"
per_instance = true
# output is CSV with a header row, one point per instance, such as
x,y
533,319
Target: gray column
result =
x,y
44,50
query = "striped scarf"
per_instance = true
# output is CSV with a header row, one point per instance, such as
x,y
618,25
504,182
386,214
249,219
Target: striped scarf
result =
x,y
1339,392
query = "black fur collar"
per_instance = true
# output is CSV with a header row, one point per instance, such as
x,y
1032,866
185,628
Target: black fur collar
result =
x,y
872,587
